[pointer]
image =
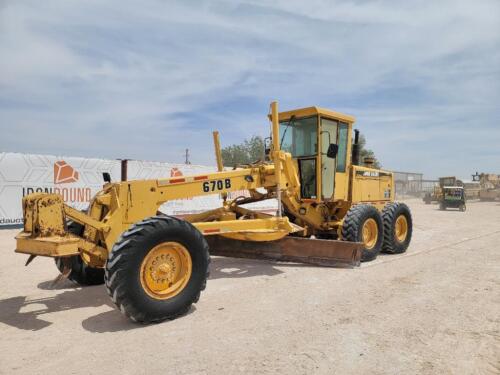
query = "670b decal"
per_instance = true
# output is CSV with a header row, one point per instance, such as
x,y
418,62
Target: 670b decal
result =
x,y
216,185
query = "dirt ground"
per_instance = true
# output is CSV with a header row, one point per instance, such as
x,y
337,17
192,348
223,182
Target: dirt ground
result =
x,y
433,310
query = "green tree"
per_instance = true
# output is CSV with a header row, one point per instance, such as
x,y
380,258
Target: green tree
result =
x,y
252,150
367,153
247,152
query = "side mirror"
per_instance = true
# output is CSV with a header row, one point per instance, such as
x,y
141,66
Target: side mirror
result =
x,y
333,149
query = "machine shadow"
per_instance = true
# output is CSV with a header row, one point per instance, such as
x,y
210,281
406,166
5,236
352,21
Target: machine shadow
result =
x,y
27,314
220,268
24,314
229,268
114,321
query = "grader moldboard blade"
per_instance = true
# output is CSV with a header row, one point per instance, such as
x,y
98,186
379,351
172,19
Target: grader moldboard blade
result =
x,y
331,253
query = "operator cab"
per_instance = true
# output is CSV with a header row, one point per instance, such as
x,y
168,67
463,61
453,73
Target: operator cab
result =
x,y
318,140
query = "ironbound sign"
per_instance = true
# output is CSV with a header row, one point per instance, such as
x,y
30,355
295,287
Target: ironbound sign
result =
x,y
78,179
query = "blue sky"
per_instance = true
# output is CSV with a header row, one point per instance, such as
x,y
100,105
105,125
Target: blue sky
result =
x,y
147,79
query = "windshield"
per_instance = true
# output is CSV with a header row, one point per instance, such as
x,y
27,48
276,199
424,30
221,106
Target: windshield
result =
x,y
300,138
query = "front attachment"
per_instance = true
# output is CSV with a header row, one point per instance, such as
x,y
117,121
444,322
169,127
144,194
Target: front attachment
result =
x,y
330,253
44,231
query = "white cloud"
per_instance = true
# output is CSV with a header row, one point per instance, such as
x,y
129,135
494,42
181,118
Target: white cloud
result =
x,y
118,79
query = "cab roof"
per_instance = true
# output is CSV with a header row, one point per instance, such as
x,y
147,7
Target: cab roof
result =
x,y
313,111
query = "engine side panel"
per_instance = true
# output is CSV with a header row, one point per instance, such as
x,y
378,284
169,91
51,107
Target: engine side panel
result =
x,y
371,185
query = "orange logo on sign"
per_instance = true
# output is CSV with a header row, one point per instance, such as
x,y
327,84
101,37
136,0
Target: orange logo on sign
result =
x,y
64,173
175,172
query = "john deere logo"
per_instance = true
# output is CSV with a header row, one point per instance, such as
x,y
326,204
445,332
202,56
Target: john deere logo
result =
x,y
64,173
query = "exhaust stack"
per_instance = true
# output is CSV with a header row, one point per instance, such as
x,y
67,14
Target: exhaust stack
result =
x,y
355,148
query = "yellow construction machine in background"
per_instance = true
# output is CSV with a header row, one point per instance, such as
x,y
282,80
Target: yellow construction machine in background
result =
x,y
489,186
331,211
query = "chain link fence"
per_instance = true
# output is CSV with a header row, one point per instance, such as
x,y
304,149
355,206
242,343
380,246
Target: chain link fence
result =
x,y
411,184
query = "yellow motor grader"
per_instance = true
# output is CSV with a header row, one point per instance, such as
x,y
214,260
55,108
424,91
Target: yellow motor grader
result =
x,y
331,212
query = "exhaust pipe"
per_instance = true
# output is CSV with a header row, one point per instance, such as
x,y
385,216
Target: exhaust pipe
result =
x,y
355,148
124,169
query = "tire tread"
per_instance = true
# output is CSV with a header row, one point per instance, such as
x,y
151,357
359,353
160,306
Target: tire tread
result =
x,y
389,214
353,222
125,246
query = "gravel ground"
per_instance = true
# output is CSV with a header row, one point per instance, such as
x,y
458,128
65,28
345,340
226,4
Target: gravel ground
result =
x,y
433,310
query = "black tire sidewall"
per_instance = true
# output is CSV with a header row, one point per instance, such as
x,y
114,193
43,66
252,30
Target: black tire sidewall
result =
x,y
139,303
371,254
357,216
390,215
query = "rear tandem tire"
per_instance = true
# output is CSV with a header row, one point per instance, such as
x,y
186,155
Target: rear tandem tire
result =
x,y
81,272
352,229
157,269
398,227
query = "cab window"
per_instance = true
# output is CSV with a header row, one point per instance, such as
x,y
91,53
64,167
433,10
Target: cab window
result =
x,y
300,136
342,142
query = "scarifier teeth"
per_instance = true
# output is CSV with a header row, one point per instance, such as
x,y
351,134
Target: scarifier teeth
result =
x,y
30,259
64,273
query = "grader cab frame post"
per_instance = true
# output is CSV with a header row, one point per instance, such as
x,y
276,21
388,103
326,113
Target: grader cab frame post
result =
x,y
218,154
276,156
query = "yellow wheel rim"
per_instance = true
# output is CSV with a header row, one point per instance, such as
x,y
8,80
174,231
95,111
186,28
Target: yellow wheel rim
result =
x,y
401,230
166,270
370,233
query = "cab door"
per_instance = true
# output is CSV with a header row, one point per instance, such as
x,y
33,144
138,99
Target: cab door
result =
x,y
328,134
341,172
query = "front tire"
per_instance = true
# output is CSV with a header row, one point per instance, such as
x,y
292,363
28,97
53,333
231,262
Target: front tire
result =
x,y
157,269
398,227
363,223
